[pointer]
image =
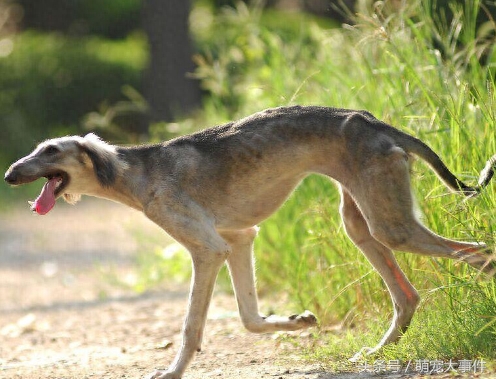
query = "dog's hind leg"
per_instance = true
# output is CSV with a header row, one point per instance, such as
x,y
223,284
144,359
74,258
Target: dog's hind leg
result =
x,y
383,194
404,296
240,263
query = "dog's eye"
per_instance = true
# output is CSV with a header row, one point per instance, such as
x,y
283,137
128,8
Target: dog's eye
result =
x,y
51,150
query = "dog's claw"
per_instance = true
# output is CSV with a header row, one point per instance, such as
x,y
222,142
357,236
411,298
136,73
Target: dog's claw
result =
x,y
306,319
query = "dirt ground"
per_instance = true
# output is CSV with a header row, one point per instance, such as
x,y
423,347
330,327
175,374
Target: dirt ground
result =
x,y
61,316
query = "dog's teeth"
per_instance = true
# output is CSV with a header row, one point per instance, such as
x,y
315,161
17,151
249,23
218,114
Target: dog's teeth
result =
x,y
32,206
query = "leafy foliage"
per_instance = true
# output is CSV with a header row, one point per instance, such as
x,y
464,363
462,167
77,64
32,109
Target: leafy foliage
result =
x,y
49,82
391,64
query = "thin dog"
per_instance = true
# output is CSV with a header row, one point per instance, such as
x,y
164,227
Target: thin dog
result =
x,y
210,189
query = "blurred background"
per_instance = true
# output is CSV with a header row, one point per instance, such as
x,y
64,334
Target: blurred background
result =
x,y
75,66
121,67
135,71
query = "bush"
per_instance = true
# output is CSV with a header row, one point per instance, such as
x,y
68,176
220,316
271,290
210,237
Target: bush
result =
x,y
49,82
111,19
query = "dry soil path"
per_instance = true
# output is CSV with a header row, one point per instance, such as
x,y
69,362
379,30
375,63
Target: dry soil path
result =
x,y
61,316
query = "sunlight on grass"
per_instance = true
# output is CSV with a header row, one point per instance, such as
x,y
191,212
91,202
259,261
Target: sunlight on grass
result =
x,y
387,64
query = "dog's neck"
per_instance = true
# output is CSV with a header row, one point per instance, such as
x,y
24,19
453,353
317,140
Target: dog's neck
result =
x,y
125,185
125,190
115,193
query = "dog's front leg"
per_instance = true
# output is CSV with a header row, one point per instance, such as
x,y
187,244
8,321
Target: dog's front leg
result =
x,y
205,269
209,251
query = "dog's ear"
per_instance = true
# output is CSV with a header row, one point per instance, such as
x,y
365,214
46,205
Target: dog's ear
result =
x,y
102,157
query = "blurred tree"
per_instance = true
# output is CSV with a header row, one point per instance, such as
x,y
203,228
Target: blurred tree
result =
x,y
111,19
166,85
168,89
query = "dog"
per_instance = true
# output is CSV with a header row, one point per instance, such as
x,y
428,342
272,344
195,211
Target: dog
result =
x,y
210,189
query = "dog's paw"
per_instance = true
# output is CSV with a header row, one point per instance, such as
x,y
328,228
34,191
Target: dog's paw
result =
x,y
278,323
162,374
306,319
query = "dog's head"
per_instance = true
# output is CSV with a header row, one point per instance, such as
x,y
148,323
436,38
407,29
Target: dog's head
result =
x,y
72,166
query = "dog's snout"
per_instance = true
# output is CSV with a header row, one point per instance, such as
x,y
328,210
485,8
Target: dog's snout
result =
x,y
11,177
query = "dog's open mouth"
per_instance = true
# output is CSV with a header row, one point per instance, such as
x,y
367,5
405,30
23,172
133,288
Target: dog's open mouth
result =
x,y
51,190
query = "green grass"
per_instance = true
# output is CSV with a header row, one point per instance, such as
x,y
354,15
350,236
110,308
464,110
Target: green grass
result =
x,y
388,65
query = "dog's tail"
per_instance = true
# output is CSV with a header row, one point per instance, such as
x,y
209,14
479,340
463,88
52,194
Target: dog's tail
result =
x,y
419,148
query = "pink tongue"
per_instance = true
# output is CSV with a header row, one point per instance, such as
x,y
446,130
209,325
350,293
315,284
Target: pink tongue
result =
x,y
46,200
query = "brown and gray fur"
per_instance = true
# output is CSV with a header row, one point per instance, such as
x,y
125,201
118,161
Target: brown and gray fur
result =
x,y
210,189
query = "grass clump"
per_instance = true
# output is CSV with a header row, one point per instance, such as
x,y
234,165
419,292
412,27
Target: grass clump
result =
x,y
415,71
